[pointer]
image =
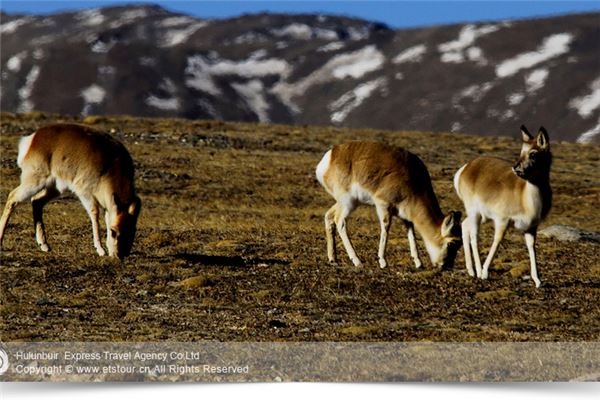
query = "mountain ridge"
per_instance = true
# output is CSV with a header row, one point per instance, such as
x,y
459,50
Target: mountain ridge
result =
x,y
484,78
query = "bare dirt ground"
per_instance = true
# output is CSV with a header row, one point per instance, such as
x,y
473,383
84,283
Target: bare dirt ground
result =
x,y
231,247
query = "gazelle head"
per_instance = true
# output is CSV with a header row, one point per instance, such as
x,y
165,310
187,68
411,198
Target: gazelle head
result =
x,y
534,162
451,241
122,219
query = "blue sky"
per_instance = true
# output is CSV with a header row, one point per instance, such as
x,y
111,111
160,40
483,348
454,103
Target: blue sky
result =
x,y
397,14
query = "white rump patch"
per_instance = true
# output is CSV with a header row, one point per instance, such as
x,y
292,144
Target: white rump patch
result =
x,y
457,180
24,144
322,167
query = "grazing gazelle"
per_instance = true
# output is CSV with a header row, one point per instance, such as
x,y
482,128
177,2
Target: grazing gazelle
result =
x,y
396,182
491,188
93,165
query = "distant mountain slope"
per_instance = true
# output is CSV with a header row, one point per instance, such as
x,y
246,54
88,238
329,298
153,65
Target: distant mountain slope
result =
x,y
308,69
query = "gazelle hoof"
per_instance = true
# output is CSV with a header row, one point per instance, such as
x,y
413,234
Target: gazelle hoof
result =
x,y
44,247
100,251
382,263
357,263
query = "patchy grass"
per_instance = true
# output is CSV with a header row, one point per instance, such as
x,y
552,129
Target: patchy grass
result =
x,y
231,246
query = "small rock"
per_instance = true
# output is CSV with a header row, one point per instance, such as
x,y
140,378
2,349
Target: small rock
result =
x,y
569,234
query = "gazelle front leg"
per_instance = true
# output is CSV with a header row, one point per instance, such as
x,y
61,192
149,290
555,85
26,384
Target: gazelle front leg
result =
x,y
530,242
330,234
91,206
385,220
343,211
37,204
412,242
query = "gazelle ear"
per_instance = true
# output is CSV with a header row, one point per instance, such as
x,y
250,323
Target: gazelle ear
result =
x,y
451,220
116,201
135,207
543,140
525,134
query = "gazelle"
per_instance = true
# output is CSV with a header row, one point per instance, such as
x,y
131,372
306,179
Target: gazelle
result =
x,y
491,188
93,165
396,182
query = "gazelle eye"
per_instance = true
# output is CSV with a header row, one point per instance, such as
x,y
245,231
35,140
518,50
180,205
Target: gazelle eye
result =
x,y
113,233
533,154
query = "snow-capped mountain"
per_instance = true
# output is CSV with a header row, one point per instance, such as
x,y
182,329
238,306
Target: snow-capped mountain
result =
x,y
486,78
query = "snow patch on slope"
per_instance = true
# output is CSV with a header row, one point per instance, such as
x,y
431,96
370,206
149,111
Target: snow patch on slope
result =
x,y
354,98
515,99
12,26
354,64
129,17
412,54
585,105
174,37
14,63
92,17
92,95
26,104
459,50
553,46
167,103
589,136
300,31
254,95
536,79
201,69
333,46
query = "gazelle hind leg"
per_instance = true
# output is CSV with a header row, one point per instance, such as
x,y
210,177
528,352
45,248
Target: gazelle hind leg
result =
x,y
530,242
37,204
473,227
385,221
343,211
499,230
18,195
412,243
466,225
330,233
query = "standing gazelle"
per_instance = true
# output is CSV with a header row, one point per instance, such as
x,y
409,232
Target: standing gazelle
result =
x,y
492,188
396,182
93,165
